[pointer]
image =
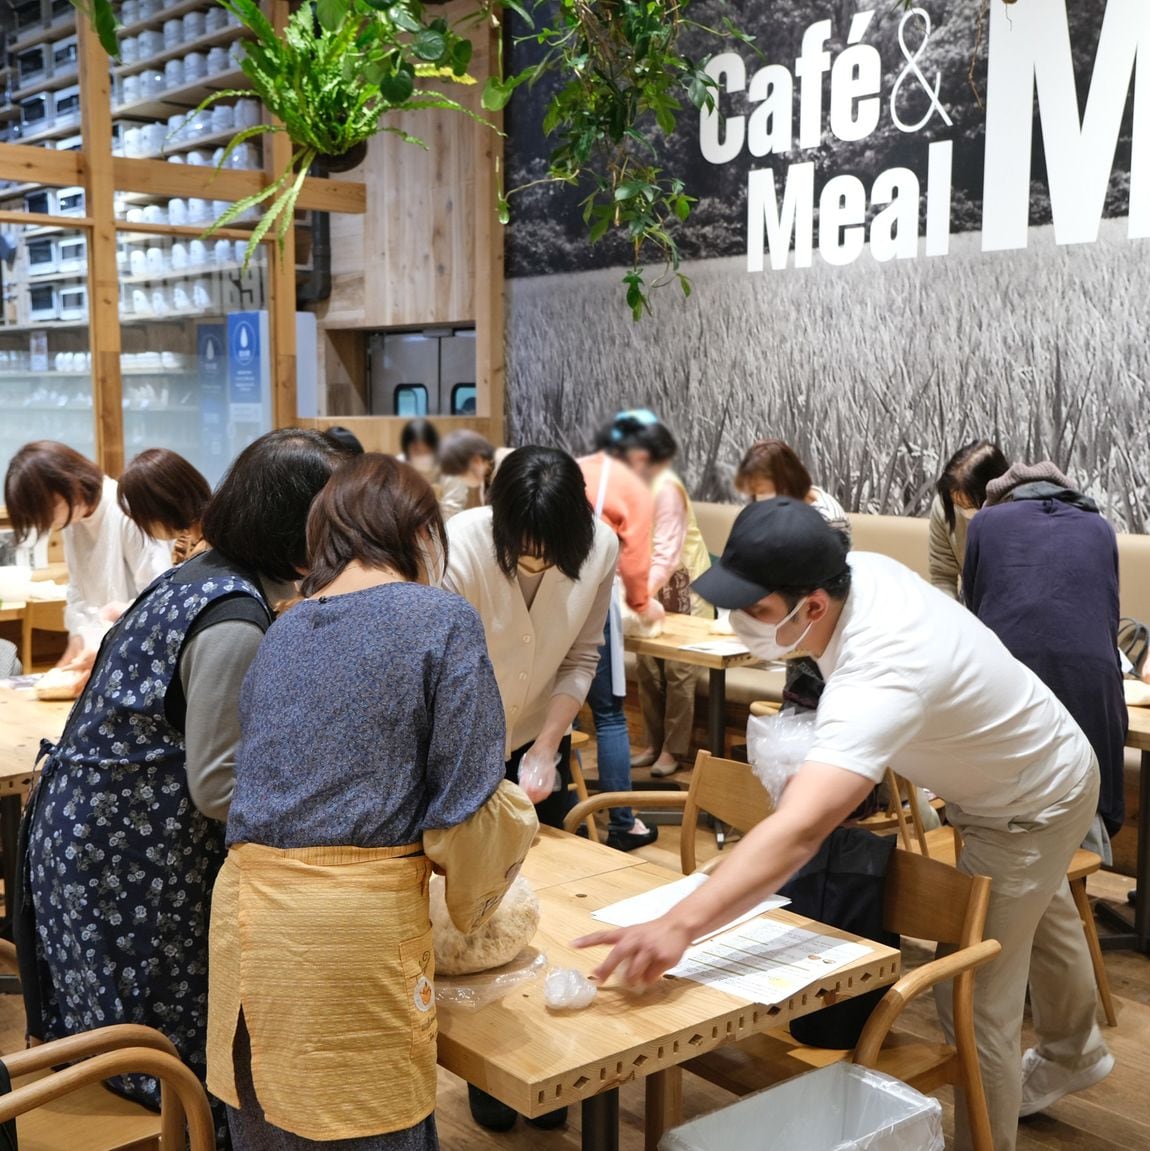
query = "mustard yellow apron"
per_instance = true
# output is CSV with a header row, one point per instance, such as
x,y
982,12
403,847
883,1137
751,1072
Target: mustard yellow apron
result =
x,y
328,953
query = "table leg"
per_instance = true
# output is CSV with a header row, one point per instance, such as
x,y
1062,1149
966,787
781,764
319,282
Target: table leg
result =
x,y
601,1122
10,809
717,731
664,1108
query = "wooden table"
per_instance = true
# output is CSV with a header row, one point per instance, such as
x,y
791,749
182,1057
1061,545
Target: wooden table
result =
x,y
24,721
537,1061
681,629
1136,936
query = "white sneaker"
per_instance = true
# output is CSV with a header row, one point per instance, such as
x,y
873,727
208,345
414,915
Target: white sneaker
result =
x,y
1045,1082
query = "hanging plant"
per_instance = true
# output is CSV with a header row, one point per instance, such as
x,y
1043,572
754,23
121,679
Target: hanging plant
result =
x,y
328,78
101,16
625,78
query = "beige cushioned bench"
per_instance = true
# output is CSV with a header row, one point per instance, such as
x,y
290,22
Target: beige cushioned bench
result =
x,y
903,538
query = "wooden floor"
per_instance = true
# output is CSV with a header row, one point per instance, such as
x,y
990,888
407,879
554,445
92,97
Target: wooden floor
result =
x,y
1111,1116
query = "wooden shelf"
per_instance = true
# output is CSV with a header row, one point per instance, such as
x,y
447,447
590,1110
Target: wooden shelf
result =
x,y
58,28
142,233
41,325
66,79
50,373
179,99
56,132
189,273
168,12
211,140
169,410
157,61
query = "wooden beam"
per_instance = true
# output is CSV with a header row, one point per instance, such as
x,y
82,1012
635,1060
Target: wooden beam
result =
x,y
163,179
103,275
27,164
281,269
39,220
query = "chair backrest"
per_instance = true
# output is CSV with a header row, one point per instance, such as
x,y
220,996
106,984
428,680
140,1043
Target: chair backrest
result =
x,y
927,899
726,789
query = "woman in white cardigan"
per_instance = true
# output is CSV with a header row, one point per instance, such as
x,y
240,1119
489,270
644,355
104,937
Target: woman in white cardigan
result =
x,y
539,568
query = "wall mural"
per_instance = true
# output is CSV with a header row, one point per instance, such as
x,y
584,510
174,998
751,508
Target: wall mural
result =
x,y
913,229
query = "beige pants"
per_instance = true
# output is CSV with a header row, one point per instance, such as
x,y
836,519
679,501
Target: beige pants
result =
x,y
667,700
1033,916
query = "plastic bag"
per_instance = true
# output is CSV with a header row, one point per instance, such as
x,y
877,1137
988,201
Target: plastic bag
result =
x,y
839,1108
539,774
472,992
566,989
777,746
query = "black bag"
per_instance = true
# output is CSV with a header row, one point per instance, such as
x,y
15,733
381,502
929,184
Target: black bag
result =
x,y
1134,640
844,886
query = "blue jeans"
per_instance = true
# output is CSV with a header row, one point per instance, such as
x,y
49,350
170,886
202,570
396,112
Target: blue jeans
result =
x,y
611,739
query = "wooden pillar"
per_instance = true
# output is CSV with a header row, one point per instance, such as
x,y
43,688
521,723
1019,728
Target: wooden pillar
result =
x,y
281,274
103,276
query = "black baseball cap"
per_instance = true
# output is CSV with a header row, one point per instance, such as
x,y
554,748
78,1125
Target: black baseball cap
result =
x,y
775,545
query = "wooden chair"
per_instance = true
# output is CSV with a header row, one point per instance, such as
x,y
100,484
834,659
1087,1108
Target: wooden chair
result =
x,y
945,844
39,615
901,814
925,899
578,784
723,788
69,1110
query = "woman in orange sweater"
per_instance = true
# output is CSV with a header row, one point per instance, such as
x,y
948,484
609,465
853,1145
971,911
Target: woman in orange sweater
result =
x,y
624,503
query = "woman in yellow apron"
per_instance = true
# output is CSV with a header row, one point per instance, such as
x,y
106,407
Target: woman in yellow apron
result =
x,y
373,751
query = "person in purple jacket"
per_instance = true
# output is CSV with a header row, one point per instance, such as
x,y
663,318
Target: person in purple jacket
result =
x,y
1041,570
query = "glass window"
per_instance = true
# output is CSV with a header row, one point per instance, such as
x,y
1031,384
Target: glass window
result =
x,y
411,400
463,399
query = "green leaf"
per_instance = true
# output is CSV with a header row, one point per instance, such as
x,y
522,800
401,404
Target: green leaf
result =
x,y
461,52
331,13
685,284
519,11
503,210
599,229
682,207
401,17
429,44
397,87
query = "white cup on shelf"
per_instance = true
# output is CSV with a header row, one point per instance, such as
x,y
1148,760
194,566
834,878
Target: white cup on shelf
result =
x,y
198,210
150,43
173,33
155,256
130,89
134,215
201,297
151,84
215,19
159,302
181,301
219,207
247,113
129,50
153,137
179,256
195,25
177,211
223,118
217,60
129,12
198,157
174,73
195,67
138,262
140,304
197,254
244,157
223,252
150,8
133,141
155,214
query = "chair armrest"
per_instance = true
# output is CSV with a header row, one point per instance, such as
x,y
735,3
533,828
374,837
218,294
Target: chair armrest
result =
x,y
761,707
911,986
644,799
86,1045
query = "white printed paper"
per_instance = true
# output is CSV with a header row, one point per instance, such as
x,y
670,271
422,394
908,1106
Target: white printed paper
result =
x,y
657,902
720,647
766,961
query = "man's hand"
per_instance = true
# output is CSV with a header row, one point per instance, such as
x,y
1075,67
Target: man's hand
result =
x,y
643,954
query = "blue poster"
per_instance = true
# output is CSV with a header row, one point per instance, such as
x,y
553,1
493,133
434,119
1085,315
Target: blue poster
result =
x,y
244,360
211,360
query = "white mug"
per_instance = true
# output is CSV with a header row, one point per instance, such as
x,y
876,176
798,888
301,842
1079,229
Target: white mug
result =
x,y
129,50
151,84
244,156
154,214
197,254
174,73
195,156
200,295
216,19
173,33
247,114
135,215
217,61
153,137
58,361
129,12
133,141
223,251
178,211
155,257
195,66
181,301
179,256
159,302
241,251
140,303
198,211
130,89
138,262
176,127
148,9
195,25
150,43
223,118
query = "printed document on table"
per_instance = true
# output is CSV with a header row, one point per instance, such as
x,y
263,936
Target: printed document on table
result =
x,y
653,904
719,647
766,961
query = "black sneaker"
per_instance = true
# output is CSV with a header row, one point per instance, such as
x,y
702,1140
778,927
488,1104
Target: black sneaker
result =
x,y
552,1121
629,840
488,1112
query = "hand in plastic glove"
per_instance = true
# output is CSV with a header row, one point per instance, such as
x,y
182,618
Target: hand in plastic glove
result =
x,y
539,772
654,612
642,954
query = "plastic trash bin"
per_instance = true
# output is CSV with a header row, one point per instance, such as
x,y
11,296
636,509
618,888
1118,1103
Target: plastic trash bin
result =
x,y
838,1108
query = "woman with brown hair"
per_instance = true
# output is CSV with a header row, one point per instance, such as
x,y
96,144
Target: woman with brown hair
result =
x,y
469,457
772,468
373,749
165,496
50,486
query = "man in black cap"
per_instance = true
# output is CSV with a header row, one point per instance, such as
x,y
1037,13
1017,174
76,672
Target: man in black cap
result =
x,y
915,682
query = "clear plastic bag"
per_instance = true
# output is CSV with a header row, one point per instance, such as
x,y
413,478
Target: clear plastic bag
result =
x,y
839,1108
777,746
566,989
472,992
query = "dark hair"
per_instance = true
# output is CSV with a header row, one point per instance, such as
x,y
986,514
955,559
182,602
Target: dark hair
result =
x,y
837,588
160,489
346,439
371,511
637,431
38,473
777,462
539,500
418,432
258,515
967,473
460,448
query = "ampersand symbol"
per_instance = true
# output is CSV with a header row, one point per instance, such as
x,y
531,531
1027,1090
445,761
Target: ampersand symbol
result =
x,y
912,68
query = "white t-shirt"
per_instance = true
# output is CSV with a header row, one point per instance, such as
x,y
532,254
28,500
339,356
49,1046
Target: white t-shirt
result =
x,y
915,682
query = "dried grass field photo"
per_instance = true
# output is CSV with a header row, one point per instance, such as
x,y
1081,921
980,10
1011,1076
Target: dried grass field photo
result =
x,y
875,373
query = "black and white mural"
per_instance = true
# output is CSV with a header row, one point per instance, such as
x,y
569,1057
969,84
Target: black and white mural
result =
x,y
913,230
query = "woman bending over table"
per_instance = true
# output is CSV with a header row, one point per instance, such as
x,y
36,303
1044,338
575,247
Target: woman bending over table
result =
x,y
165,496
373,749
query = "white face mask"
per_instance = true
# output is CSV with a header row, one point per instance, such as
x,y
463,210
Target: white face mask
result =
x,y
966,513
762,639
423,464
